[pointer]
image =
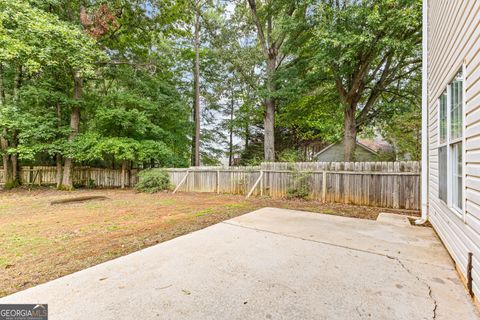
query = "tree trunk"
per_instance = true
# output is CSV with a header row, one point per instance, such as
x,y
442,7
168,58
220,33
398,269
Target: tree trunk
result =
x,y
192,157
7,168
58,156
247,136
8,164
14,160
13,170
230,128
7,176
67,182
269,134
3,140
270,49
350,134
196,81
269,114
59,171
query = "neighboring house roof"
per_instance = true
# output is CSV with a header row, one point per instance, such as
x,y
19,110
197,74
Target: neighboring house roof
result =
x,y
377,144
361,145
374,146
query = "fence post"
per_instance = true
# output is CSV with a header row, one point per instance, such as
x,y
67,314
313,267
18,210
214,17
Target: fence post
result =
x,y
124,169
89,176
261,183
217,187
324,186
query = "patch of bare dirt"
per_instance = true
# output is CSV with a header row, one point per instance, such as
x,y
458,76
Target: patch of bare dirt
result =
x,y
40,242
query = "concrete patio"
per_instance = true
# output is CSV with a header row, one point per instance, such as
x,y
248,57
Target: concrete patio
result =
x,y
271,264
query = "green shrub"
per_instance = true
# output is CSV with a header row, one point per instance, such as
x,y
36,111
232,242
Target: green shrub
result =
x,y
153,180
91,184
11,185
88,184
291,155
299,187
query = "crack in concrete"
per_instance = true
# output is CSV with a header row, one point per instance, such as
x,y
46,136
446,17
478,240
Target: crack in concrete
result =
x,y
306,239
331,244
430,293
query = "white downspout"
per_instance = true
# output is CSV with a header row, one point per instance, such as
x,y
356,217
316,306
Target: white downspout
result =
x,y
425,154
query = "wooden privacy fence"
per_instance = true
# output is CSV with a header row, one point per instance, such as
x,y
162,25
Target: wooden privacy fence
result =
x,y
232,180
82,176
381,184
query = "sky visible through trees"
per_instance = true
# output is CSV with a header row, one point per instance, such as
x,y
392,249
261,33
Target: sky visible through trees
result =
x,y
120,84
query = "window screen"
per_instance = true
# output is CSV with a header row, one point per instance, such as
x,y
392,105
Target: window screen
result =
x,y
442,174
457,175
443,117
456,107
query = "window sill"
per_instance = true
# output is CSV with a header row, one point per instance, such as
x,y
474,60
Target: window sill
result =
x,y
457,211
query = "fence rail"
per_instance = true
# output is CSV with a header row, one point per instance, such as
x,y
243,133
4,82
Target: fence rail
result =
x,y
381,184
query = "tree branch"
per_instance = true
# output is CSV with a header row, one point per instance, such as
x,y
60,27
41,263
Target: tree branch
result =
x,y
261,35
279,42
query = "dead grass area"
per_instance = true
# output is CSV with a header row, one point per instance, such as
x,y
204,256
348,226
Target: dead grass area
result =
x,y
40,242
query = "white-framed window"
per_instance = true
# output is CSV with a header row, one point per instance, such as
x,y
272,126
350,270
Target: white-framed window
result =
x,y
450,146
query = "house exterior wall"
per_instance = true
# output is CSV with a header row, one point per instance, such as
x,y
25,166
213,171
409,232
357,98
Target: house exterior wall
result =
x,y
453,45
336,153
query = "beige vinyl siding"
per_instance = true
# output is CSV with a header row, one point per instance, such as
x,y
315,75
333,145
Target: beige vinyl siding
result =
x,y
453,43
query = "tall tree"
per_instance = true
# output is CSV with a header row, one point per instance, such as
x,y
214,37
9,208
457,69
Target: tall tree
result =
x,y
67,182
33,40
370,48
270,18
56,85
196,83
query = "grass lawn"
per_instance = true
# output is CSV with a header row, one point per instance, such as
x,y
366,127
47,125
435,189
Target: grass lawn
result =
x,y
40,242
